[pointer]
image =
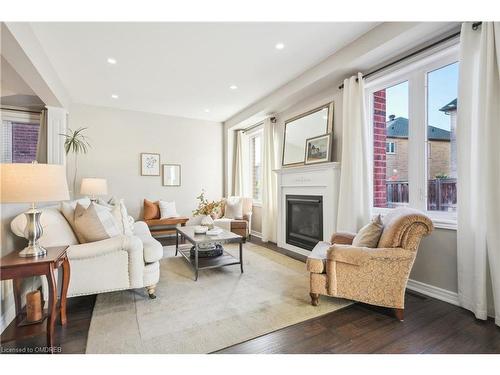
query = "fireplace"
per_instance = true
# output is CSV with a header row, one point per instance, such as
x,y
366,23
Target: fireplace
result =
x,y
304,220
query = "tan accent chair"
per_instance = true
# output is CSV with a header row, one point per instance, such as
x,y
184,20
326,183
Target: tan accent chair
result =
x,y
241,226
375,276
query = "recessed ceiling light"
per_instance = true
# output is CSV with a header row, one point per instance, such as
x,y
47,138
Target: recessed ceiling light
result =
x,y
279,46
114,96
207,110
111,61
233,87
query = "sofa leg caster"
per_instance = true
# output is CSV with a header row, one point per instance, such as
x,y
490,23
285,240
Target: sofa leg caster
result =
x,y
151,291
399,313
314,299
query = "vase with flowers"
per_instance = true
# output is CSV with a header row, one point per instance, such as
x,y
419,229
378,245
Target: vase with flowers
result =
x,y
206,209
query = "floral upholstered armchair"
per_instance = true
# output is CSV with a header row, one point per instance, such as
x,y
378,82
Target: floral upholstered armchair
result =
x,y
376,276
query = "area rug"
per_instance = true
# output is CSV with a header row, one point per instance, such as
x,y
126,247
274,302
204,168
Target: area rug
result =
x,y
222,308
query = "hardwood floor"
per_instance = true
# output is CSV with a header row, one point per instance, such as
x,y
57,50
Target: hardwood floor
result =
x,y
430,326
72,338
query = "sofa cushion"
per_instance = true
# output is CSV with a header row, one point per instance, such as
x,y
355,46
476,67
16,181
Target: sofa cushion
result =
x,y
369,235
151,210
56,229
119,212
68,210
95,223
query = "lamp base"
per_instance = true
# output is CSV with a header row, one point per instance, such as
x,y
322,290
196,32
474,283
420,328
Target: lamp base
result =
x,y
32,233
33,251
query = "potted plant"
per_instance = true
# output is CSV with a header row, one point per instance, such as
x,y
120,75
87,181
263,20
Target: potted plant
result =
x,y
206,209
77,143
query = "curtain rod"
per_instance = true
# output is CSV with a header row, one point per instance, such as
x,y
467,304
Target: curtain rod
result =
x,y
19,110
475,26
272,118
251,127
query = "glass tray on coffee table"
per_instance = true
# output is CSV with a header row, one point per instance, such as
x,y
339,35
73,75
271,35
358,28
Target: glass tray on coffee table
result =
x,y
204,241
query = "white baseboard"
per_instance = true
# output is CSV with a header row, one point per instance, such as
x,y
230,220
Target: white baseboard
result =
x,y
433,291
7,317
256,234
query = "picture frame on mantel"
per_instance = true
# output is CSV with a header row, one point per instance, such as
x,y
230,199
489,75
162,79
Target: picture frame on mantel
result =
x,y
150,164
319,149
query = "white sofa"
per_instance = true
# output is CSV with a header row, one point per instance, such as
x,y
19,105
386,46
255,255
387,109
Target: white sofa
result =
x,y
118,263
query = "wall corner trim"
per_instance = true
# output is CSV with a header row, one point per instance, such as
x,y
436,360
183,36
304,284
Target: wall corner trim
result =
x,y
433,291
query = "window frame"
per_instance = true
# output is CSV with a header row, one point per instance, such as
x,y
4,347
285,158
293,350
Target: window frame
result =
x,y
258,132
416,73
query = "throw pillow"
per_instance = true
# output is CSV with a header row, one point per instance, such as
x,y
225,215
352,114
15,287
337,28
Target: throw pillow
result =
x,y
151,210
168,210
119,212
68,211
95,223
369,235
234,208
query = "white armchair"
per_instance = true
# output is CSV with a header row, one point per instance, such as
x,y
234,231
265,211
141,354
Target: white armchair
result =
x,y
118,263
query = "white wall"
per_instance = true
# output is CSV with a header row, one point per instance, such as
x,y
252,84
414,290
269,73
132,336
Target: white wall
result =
x,y
119,136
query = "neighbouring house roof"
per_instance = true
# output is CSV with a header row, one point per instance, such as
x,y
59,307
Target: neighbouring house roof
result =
x,y
451,106
398,128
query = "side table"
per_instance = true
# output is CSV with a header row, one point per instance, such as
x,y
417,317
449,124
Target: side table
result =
x,y
12,266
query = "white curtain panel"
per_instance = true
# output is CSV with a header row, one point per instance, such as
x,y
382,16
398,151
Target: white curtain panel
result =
x,y
355,193
478,136
269,183
240,182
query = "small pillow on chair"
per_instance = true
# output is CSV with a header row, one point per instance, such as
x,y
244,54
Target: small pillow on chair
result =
x,y
168,210
234,208
369,235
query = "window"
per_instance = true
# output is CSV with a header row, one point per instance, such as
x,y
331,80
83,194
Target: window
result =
x,y
441,137
390,147
18,136
413,115
390,125
256,165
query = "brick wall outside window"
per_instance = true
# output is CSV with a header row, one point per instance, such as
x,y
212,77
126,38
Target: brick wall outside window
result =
x,y
24,141
379,149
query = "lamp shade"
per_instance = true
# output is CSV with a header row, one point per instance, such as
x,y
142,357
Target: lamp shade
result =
x,y
26,183
94,186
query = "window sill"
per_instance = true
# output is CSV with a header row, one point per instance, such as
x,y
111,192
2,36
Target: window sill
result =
x,y
257,204
439,221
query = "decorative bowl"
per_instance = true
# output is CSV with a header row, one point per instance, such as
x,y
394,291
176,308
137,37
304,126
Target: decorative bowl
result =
x,y
200,229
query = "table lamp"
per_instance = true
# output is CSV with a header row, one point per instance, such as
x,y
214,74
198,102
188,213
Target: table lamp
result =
x,y
32,183
93,186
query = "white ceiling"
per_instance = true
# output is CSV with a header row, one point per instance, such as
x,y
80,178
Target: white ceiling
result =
x,y
182,69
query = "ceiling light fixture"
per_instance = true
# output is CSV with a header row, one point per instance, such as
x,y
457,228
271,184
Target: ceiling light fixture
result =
x,y
279,46
114,96
233,87
111,61
207,110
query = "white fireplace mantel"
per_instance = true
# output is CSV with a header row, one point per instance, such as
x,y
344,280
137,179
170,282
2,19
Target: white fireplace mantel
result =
x,y
316,179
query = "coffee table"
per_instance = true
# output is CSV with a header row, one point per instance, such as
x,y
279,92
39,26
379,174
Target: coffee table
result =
x,y
196,240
